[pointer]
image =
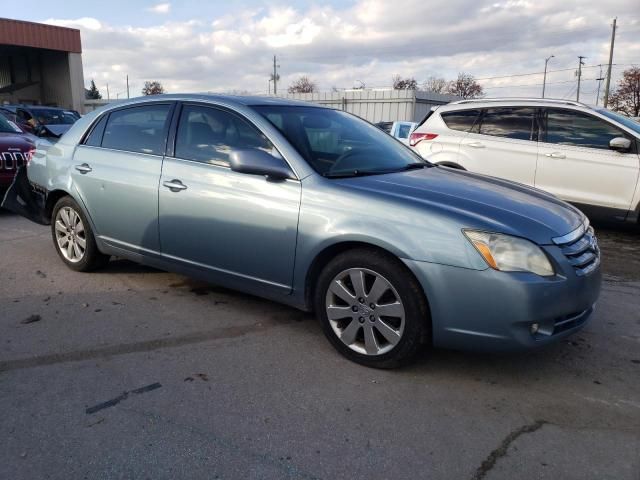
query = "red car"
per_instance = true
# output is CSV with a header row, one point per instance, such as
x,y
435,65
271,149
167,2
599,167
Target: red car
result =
x,y
16,149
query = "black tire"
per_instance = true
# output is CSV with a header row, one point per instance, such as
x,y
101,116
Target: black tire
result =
x,y
417,322
92,259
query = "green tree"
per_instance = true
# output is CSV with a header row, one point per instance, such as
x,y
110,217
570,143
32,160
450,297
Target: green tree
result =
x,y
93,93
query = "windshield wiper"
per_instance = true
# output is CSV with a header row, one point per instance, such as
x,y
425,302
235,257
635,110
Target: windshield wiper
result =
x,y
415,166
351,173
362,173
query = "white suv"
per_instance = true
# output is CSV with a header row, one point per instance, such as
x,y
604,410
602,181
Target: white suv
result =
x,y
586,156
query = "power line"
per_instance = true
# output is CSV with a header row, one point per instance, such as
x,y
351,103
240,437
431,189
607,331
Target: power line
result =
x,y
537,84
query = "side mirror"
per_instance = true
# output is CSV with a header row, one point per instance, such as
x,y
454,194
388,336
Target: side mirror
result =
x,y
258,162
620,144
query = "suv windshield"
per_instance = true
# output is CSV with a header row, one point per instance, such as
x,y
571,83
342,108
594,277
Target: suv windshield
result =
x,y
626,121
338,144
52,116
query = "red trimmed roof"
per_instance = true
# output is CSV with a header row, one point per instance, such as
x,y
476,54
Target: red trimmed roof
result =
x,y
39,35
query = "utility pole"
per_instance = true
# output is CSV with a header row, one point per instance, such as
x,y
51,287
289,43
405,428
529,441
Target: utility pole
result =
x,y
580,63
599,79
127,86
544,80
275,76
607,83
107,91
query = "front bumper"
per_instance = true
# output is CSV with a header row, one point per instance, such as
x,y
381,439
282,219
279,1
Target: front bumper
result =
x,y
488,310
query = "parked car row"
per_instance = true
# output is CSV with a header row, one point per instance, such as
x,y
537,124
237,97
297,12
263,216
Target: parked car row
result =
x,y
43,121
318,209
586,156
21,127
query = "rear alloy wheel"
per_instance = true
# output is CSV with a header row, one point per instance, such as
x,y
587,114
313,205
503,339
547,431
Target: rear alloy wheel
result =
x,y
70,235
73,237
372,308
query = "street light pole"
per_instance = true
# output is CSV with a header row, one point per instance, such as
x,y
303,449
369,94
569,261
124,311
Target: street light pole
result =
x,y
544,81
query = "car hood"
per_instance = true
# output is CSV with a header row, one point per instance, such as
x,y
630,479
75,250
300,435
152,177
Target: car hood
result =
x,y
478,201
18,141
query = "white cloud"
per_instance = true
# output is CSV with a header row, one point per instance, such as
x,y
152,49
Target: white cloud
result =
x,y
162,8
84,23
368,41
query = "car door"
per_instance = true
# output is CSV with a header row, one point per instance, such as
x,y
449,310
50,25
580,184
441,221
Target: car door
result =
x,y
503,143
237,227
576,164
116,171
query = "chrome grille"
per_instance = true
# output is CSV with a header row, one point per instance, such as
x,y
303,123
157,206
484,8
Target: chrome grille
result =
x,y
581,249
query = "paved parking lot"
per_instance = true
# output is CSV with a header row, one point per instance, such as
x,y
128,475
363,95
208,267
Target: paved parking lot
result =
x,y
137,373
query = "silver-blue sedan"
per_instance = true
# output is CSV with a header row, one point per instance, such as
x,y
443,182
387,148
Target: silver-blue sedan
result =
x,y
316,208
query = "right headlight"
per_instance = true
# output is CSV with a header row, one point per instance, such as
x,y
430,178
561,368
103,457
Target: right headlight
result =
x,y
510,254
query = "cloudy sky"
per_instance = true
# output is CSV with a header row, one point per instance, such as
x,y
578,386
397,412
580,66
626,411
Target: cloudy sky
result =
x,y
227,46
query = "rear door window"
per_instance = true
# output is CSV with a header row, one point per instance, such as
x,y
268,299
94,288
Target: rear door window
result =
x,y
461,120
568,127
140,129
509,122
95,137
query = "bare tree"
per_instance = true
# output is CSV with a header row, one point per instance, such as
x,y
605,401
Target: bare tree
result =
x,y
626,97
435,84
303,85
465,86
400,83
152,88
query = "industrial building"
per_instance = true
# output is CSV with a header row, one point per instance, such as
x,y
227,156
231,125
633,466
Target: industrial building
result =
x,y
41,65
379,105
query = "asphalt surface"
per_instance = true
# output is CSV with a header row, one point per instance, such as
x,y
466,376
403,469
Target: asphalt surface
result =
x,y
137,373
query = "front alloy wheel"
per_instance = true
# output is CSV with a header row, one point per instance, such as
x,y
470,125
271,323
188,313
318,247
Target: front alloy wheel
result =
x,y
372,309
365,311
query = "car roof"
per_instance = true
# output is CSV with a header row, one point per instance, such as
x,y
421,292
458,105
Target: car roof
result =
x,y
511,102
246,100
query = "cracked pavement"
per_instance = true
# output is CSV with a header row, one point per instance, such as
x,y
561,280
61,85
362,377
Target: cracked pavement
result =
x,y
136,373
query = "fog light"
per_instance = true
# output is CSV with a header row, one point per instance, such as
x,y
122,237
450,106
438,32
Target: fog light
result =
x,y
534,328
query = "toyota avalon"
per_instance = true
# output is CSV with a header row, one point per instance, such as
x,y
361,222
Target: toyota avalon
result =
x,y
318,209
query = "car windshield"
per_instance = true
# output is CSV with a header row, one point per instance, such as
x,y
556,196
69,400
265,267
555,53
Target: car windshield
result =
x,y
338,144
51,116
8,127
626,121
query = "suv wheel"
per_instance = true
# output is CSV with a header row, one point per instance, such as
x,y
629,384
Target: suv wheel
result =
x,y
372,309
73,238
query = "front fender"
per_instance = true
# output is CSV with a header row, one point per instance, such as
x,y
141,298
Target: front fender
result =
x,y
331,215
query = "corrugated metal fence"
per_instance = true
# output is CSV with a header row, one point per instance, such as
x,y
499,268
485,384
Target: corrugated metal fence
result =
x,y
378,105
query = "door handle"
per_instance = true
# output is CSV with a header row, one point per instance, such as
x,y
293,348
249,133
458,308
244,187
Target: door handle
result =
x,y
475,145
555,155
174,185
84,168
